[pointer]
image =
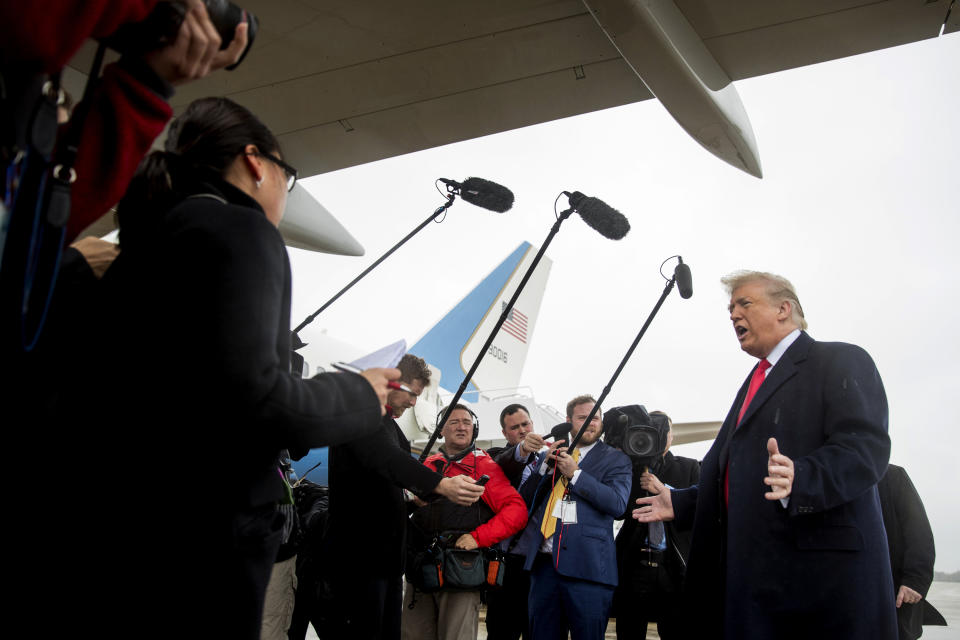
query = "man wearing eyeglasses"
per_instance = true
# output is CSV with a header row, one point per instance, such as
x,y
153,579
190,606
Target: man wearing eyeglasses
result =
x,y
367,478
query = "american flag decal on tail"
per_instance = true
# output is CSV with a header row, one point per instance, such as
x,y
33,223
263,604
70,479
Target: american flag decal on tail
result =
x,y
515,324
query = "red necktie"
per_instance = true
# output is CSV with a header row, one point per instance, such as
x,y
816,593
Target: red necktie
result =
x,y
759,375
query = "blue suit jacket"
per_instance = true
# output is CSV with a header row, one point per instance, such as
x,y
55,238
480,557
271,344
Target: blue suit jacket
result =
x,y
819,568
586,549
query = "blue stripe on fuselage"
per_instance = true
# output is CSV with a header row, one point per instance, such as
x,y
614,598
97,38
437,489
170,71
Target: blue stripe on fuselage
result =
x,y
441,346
318,475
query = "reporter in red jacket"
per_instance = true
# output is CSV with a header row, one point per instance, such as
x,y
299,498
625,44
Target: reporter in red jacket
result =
x,y
500,513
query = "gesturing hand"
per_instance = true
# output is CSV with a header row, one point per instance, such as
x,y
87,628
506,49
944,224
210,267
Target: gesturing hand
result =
x,y
658,508
780,468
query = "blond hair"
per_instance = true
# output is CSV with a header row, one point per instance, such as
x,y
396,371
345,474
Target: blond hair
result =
x,y
778,289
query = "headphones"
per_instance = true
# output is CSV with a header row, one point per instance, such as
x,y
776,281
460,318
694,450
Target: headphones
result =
x,y
476,420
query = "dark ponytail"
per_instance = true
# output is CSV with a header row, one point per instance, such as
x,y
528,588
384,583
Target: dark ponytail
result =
x,y
204,139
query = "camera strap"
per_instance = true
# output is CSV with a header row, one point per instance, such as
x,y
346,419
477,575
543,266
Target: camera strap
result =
x,y
38,195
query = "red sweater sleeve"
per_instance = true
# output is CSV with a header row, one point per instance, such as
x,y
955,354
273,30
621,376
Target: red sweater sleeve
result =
x,y
125,115
44,34
510,511
124,119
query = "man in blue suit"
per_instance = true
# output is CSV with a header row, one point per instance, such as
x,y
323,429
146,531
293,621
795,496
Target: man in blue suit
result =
x,y
568,543
788,539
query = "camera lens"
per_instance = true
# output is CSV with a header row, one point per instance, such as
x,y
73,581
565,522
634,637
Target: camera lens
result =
x,y
640,442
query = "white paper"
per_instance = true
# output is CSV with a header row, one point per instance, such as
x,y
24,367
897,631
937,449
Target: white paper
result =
x,y
388,356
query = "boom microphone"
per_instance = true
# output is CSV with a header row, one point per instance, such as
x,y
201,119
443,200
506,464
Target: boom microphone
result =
x,y
482,193
605,219
598,215
478,191
684,280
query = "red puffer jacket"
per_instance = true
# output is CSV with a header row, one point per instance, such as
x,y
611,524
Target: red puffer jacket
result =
x,y
510,511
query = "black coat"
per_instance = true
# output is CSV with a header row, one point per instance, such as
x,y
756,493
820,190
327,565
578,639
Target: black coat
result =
x,y
200,317
679,473
513,469
910,541
368,514
190,390
819,568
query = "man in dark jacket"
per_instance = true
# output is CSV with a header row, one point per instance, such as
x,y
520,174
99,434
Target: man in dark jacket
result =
x,y
367,479
507,606
911,551
652,566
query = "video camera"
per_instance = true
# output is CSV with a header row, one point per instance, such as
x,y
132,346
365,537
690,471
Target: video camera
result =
x,y
638,434
160,28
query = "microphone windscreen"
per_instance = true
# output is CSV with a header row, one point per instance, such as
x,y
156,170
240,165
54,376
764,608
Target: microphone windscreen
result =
x,y
561,431
603,218
684,280
486,194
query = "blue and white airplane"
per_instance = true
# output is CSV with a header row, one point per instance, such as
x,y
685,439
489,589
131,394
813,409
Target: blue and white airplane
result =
x,y
450,347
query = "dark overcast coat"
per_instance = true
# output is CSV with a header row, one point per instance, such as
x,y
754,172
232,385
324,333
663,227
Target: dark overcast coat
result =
x,y
819,568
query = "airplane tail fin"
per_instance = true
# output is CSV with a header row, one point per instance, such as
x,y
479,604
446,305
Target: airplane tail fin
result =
x,y
452,343
451,346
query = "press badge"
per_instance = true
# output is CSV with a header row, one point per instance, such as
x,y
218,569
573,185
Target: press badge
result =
x,y
566,510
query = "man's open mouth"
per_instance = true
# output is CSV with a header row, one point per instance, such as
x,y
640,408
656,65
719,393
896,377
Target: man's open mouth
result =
x,y
741,331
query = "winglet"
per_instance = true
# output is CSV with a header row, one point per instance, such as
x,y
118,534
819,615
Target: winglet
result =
x,y
669,57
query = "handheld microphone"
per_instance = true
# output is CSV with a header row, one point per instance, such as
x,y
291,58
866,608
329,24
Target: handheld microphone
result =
x,y
684,280
482,193
560,431
598,215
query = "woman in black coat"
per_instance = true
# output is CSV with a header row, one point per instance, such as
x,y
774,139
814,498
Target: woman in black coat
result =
x,y
197,308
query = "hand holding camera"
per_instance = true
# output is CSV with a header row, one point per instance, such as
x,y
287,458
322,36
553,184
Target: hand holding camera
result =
x,y
196,50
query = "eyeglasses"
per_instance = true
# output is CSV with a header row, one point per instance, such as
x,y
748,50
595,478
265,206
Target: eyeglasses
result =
x,y
290,171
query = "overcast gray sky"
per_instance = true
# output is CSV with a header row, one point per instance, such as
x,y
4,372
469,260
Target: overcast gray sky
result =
x,y
858,207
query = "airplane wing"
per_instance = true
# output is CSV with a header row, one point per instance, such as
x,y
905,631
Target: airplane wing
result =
x,y
344,82
306,224
685,432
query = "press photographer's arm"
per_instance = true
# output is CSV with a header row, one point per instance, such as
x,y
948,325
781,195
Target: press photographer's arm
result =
x,y
129,107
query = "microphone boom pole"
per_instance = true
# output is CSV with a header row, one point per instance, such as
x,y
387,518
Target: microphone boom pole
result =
x,y
486,345
433,216
623,363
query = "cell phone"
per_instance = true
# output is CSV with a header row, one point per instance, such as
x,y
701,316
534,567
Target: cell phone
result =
x,y
482,480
